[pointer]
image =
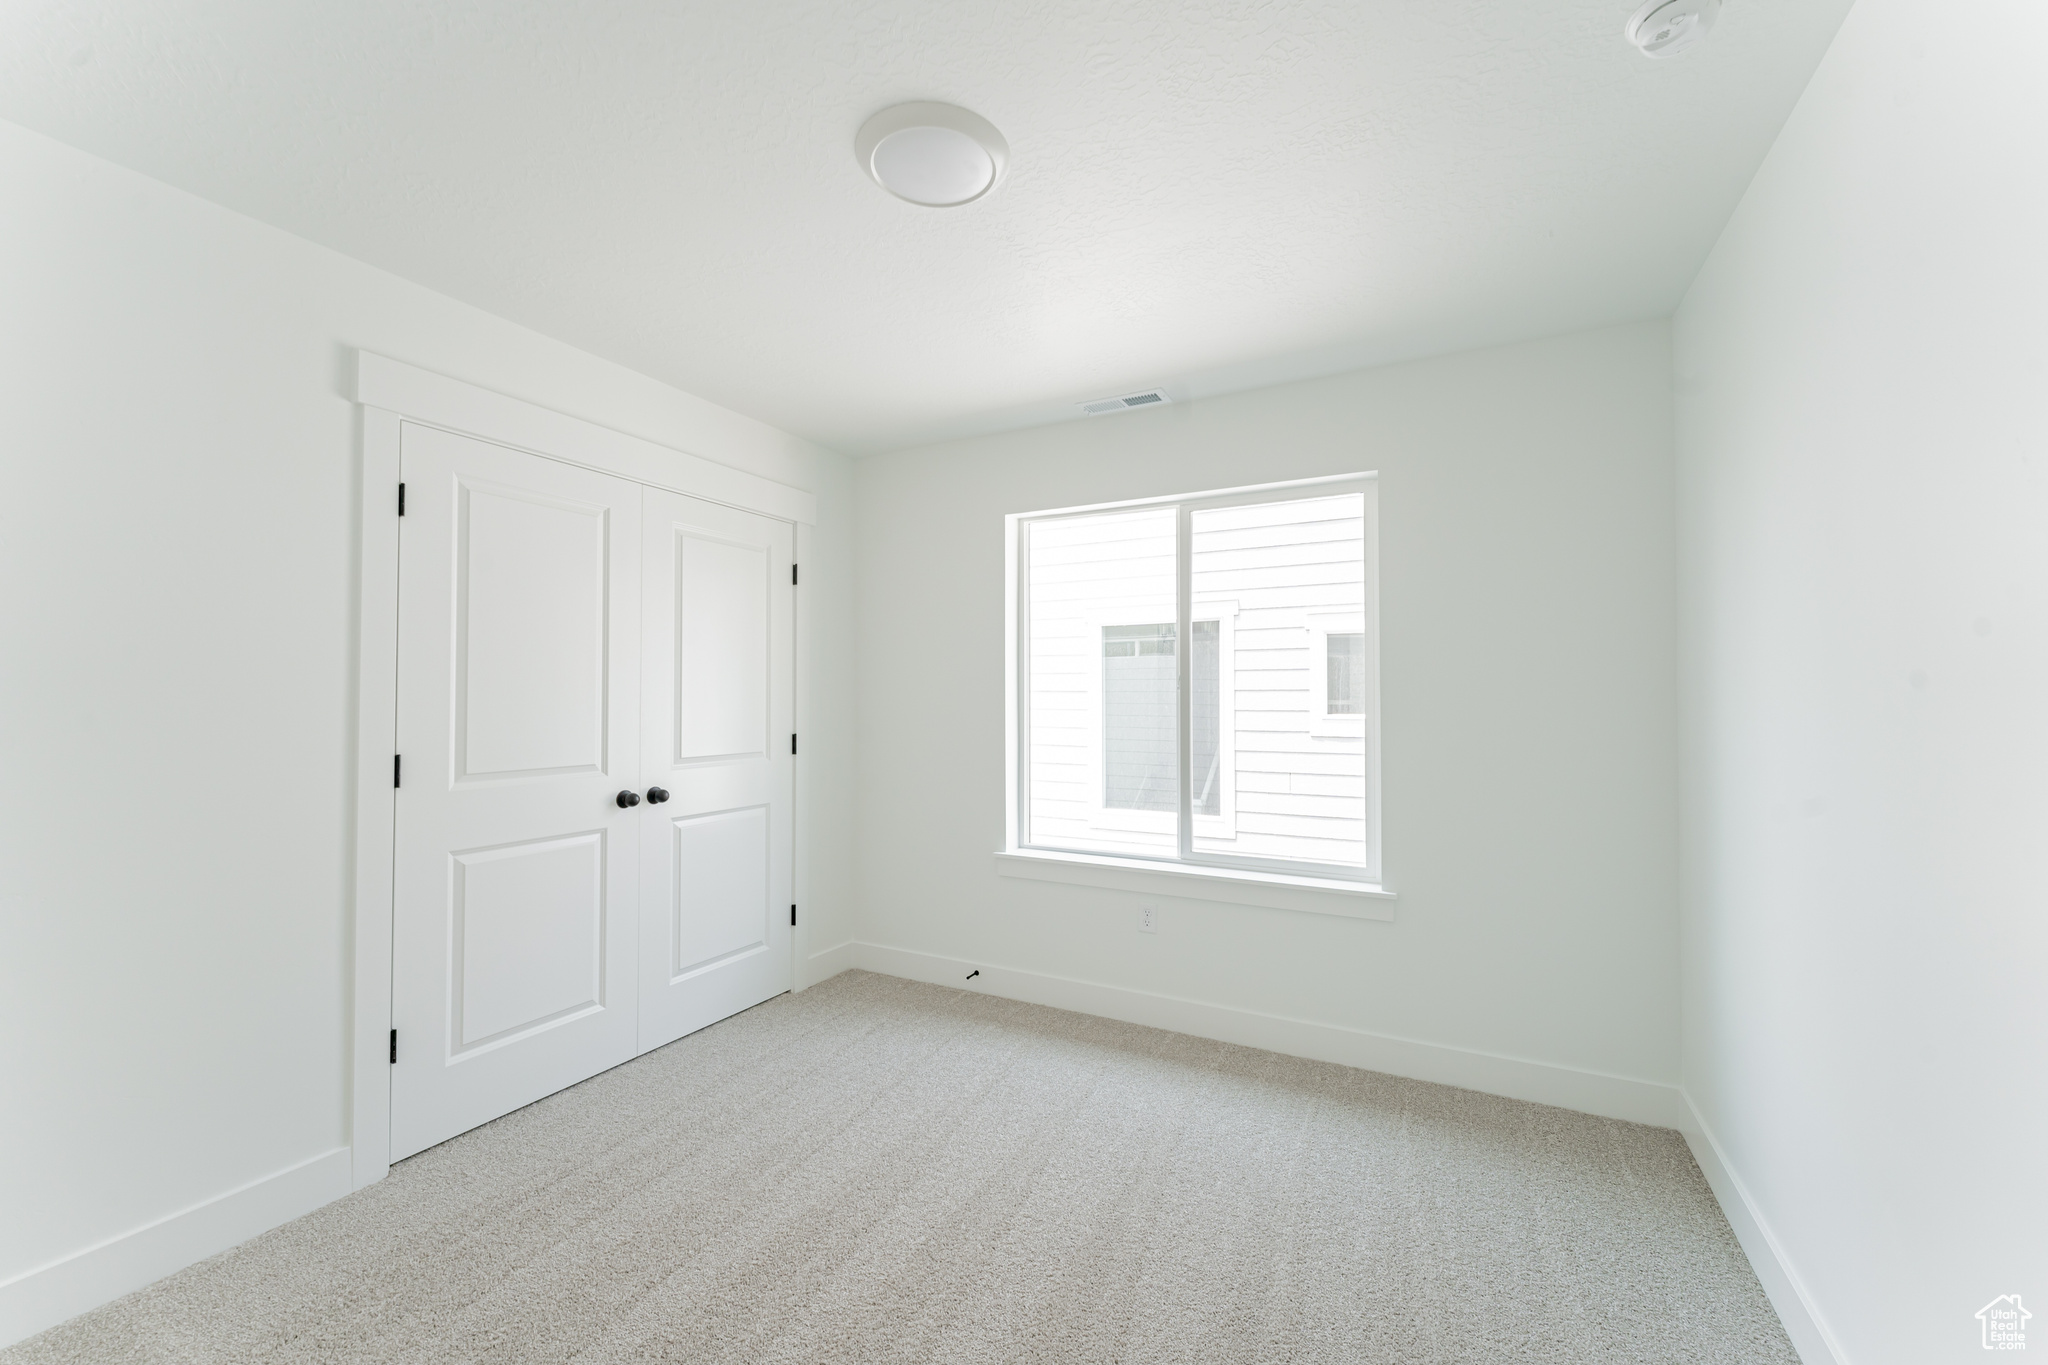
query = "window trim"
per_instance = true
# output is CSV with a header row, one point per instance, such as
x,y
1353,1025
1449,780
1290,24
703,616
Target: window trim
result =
x,y
1230,871
1311,895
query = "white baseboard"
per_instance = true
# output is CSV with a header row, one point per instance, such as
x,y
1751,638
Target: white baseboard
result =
x,y
39,1299
1589,1092
1801,1317
825,963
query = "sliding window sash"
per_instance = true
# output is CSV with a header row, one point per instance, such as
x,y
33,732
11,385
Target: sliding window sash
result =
x,y
1185,509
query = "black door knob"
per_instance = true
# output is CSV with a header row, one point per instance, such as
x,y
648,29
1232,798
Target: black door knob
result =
x,y
656,795
629,799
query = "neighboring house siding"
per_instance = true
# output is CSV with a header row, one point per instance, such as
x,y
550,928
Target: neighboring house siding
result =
x,y
1276,573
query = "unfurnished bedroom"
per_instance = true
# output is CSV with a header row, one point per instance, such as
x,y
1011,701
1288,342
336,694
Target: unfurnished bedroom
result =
x,y
1175,681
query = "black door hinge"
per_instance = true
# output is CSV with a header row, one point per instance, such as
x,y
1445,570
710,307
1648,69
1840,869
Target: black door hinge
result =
x,y
394,1047
792,743
394,768
401,500
792,575
792,916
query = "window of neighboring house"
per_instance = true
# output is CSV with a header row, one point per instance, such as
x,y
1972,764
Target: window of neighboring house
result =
x,y
1255,745
1140,730
1340,660
1344,674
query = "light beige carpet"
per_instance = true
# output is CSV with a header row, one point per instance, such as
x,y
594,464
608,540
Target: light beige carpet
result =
x,y
877,1170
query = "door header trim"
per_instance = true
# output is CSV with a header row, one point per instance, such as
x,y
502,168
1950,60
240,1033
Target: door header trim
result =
x,y
437,400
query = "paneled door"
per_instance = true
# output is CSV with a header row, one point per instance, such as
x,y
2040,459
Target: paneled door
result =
x,y
717,739
515,897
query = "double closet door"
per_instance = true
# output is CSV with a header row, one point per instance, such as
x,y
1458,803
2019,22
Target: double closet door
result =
x,y
595,777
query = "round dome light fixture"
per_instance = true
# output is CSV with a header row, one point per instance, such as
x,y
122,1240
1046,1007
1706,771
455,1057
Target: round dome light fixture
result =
x,y
1665,28
937,155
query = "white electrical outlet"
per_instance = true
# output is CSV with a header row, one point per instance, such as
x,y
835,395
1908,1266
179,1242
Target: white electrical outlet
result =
x,y
1148,919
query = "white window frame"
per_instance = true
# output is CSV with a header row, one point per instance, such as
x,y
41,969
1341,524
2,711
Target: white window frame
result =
x,y
1359,892
1113,819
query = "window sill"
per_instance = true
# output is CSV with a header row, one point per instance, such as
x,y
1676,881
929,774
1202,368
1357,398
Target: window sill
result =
x,y
1313,895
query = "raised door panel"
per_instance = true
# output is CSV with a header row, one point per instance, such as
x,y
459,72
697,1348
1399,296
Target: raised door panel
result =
x,y
531,615
720,888
527,930
722,671
515,901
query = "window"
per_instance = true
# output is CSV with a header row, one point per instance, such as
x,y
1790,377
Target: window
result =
x,y
1341,667
1343,674
1140,737
1136,725
1196,680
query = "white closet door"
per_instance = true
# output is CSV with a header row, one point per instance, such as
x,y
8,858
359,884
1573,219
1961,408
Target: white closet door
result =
x,y
515,901
717,725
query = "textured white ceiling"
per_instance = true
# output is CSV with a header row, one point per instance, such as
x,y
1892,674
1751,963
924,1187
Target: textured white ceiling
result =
x,y
1210,194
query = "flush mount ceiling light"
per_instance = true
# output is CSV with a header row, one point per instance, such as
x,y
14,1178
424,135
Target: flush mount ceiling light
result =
x,y
1665,28
937,155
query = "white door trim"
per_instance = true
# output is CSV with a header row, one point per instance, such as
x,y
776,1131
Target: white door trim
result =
x,y
438,401
376,803
392,393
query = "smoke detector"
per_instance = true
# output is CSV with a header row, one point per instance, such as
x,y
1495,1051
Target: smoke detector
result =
x,y
1149,398
936,155
1665,28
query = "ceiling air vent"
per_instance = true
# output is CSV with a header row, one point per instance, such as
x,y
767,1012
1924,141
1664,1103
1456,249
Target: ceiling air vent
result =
x,y
1146,399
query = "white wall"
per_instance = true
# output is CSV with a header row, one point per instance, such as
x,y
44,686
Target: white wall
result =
x,y
1864,590
177,638
1527,665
